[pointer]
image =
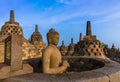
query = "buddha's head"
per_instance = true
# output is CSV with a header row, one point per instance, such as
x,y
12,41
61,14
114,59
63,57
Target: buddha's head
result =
x,y
52,37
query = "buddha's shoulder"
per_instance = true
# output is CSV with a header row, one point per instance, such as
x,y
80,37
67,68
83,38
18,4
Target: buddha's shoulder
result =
x,y
50,47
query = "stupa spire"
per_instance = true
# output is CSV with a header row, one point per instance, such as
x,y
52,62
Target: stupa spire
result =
x,y
11,16
72,41
80,37
88,30
62,42
36,28
113,46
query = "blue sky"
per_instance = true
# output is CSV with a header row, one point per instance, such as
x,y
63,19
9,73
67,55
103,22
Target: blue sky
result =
x,y
68,17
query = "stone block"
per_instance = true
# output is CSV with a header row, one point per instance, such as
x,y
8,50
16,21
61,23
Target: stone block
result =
x,y
13,52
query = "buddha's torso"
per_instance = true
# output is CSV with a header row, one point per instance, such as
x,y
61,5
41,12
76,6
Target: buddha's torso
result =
x,y
55,56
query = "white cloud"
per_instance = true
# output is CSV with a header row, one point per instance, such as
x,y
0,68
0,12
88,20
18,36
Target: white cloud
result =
x,y
110,17
64,1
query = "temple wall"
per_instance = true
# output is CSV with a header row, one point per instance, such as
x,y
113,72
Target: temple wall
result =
x,y
32,51
29,50
1,52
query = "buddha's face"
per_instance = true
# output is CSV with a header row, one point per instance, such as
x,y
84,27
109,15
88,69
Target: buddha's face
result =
x,y
53,39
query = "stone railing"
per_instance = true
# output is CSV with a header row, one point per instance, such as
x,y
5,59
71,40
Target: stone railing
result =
x,y
110,72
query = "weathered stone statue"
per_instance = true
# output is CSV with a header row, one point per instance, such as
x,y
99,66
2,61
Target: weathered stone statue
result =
x,y
52,62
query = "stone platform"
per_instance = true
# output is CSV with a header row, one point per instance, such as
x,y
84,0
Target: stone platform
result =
x,y
109,73
5,71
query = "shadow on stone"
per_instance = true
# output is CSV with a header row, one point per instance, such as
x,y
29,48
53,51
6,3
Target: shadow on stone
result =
x,y
83,64
36,63
77,64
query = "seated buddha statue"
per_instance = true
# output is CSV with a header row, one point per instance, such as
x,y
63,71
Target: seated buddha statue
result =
x,y
52,59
